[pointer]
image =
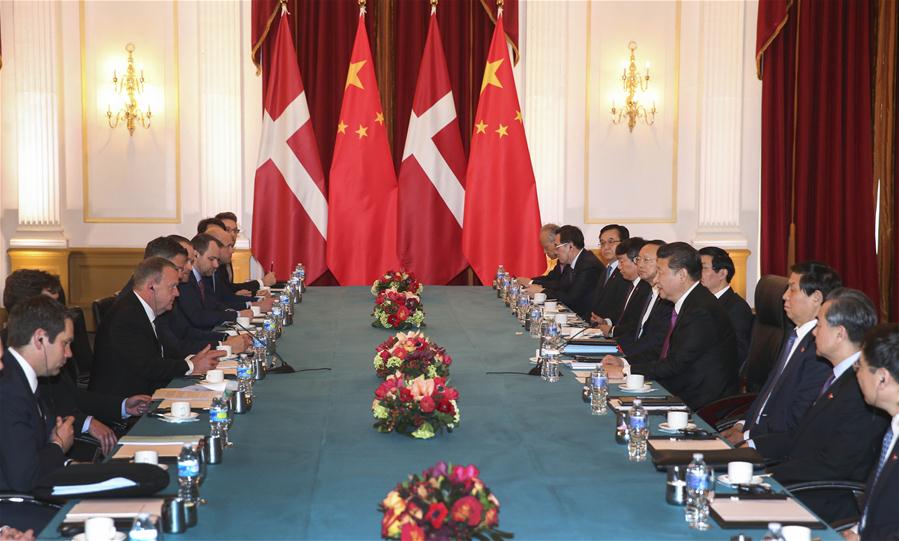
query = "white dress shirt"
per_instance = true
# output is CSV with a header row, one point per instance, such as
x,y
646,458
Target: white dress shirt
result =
x,y
151,315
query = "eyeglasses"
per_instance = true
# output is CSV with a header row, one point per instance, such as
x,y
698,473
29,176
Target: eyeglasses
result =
x,y
609,242
561,245
234,230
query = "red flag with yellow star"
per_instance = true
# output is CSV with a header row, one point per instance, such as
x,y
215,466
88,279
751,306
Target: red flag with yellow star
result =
x,y
362,191
502,217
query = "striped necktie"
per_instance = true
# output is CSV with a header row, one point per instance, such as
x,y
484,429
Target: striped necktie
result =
x,y
884,452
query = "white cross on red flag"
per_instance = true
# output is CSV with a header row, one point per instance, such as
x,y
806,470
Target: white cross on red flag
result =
x,y
432,175
290,207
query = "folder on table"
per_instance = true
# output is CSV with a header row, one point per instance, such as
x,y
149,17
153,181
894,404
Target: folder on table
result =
x,y
754,512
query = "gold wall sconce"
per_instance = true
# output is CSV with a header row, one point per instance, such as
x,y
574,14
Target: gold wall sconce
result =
x,y
127,90
636,98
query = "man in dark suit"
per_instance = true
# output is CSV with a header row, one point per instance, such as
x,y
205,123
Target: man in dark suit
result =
x,y
839,436
196,300
251,287
878,378
717,272
648,331
129,357
799,372
698,357
573,289
33,440
610,236
220,284
629,291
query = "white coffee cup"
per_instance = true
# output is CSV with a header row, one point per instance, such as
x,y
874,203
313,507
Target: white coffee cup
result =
x,y
180,409
739,473
634,382
551,306
146,457
796,533
226,348
561,319
215,375
99,529
256,311
243,321
539,298
678,420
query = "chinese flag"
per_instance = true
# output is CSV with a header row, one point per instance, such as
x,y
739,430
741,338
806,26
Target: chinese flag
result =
x,y
502,217
362,189
290,211
431,182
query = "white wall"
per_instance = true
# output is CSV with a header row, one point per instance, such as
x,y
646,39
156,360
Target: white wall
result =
x,y
211,94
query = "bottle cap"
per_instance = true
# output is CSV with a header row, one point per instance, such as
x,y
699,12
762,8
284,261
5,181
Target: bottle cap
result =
x,y
697,456
638,402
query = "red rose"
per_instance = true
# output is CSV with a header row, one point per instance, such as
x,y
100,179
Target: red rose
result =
x,y
439,381
444,406
412,532
406,395
450,394
427,406
379,300
436,515
385,355
447,360
392,320
402,312
467,510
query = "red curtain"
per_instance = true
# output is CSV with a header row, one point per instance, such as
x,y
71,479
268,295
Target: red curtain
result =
x,y
323,36
895,277
827,131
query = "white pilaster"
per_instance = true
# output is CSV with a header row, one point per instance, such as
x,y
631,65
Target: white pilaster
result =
x,y
35,51
544,52
219,71
720,127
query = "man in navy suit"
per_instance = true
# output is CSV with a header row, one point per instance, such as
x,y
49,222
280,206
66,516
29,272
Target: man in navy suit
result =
x,y
219,282
717,272
583,268
839,436
797,376
33,441
878,378
196,299
250,287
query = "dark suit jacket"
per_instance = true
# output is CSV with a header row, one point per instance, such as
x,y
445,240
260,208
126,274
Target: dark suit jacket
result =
x,y
839,437
25,452
648,345
632,314
741,319
221,287
69,399
576,285
553,277
609,299
252,285
128,358
882,501
203,312
701,364
793,392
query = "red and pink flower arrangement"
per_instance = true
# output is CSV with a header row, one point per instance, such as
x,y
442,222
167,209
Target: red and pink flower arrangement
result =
x,y
444,502
420,408
398,310
412,354
401,281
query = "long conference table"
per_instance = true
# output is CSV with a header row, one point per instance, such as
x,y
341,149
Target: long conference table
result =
x,y
307,463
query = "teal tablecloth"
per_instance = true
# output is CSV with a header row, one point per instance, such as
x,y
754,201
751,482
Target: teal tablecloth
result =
x,y
308,465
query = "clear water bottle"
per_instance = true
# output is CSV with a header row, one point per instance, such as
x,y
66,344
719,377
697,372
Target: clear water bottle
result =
x,y
524,304
774,532
637,432
507,286
500,272
599,390
245,375
143,528
228,419
696,506
552,344
188,475
535,321
217,417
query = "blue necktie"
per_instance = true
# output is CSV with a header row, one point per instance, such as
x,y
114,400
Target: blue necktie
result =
x,y
761,400
609,272
884,452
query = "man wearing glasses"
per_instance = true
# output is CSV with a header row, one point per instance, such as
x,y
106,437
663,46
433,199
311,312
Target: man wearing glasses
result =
x,y
579,280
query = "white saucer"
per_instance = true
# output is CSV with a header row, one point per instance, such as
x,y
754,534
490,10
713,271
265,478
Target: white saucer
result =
x,y
207,382
169,418
645,389
119,536
663,426
756,480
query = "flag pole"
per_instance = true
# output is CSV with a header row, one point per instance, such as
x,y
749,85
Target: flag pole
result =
x,y
499,8
361,8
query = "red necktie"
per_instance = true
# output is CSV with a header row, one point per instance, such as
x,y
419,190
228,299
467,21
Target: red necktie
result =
x,y
202,289
667,341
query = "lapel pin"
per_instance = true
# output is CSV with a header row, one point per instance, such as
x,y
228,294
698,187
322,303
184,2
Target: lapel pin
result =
x,y
830,396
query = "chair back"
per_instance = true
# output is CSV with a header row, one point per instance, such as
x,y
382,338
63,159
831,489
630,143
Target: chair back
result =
x,y
100,307
768,331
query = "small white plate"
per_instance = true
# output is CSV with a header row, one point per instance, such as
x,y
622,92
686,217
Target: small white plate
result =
x,y
663,426
645,389
169,418
119,536
756,480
